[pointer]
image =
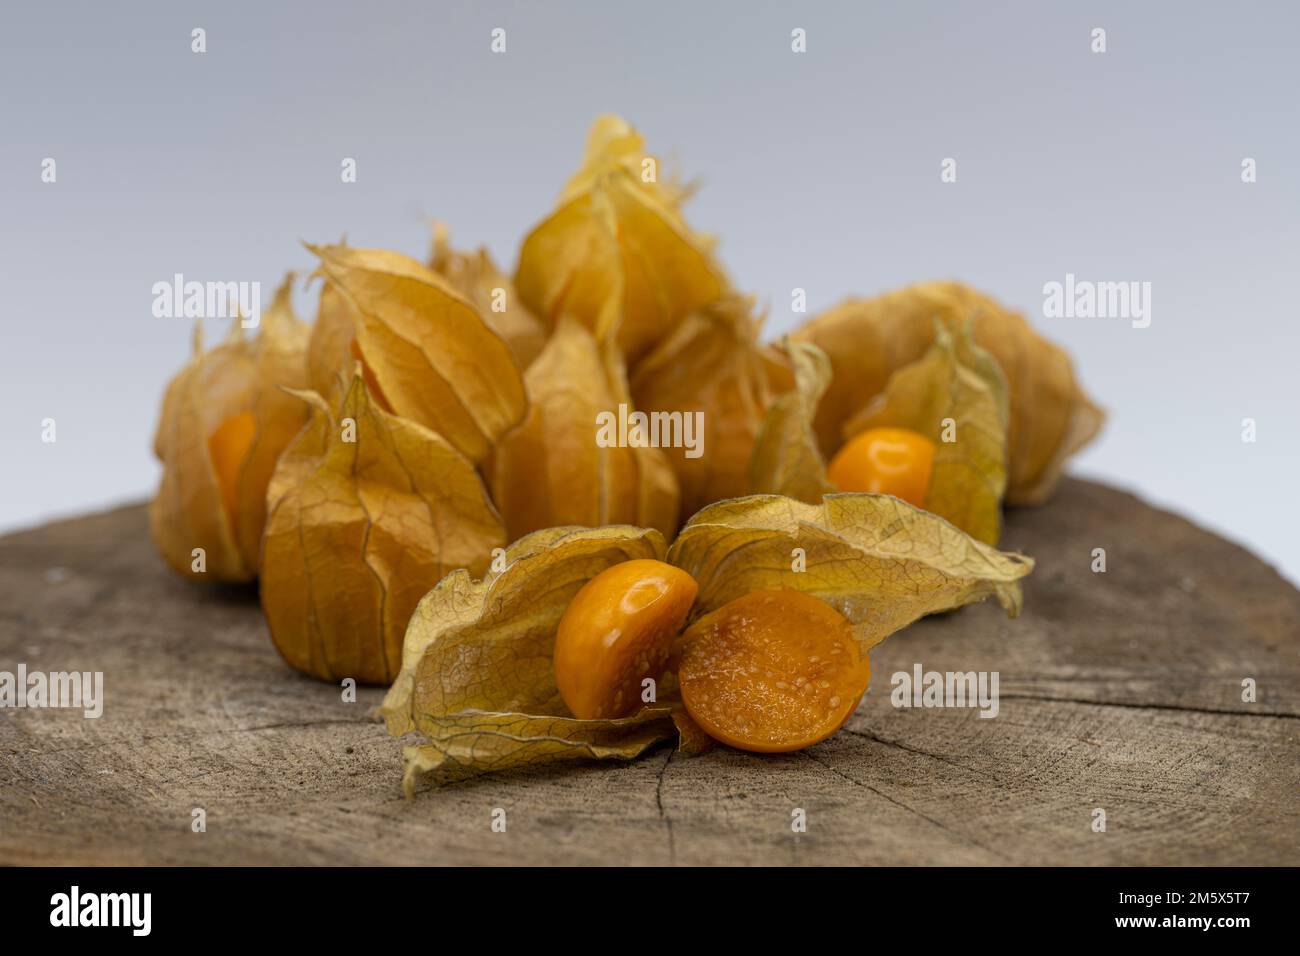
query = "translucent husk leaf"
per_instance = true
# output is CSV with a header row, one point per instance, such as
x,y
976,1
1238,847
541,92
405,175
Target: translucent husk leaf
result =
x,y
241,378
691,738
955,381
476,743
786,459
477,679
614,147
330,359
551,471
360,530
713,364
876,559
777,367
426,352
616,250
867,340
476,276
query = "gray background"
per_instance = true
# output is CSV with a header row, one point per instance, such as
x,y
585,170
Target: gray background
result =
x,y
818,170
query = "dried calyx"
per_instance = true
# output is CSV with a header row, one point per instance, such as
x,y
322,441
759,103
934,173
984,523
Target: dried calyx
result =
x,y
374,467
225,420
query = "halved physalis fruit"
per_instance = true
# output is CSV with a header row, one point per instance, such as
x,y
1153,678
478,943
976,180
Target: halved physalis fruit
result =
x,y
885,461
617,631
772,671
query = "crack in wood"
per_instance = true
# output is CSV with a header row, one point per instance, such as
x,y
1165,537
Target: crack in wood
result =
x,y
961,837
200,711
1134,705
663,814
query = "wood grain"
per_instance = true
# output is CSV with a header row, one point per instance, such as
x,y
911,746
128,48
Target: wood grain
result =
x,y
1119,691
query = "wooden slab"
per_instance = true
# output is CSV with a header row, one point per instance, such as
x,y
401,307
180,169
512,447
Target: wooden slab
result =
x,y
1119,691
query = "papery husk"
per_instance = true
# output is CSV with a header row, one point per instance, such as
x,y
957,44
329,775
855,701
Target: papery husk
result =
x,y
714,364
867,340
876,559
478,684
239,376
330,359
616,252
777,367
427,354
786,459
475,276
550,471
478,681
475,742
614,147
360,530
955,382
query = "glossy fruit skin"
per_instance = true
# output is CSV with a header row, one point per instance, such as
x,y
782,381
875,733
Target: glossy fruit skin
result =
x,y
618,630
772,671
885,461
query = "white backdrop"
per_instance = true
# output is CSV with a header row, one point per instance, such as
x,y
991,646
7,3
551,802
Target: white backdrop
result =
x,y
819,170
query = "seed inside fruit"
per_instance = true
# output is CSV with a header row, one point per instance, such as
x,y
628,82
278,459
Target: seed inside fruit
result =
x,y
772,671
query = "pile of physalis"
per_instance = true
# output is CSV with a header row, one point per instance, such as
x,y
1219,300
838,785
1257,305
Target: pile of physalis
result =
x,y
709,532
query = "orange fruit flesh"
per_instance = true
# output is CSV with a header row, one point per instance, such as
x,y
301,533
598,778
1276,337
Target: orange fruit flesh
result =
x,y
228,446
772,671
885,461
617,631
